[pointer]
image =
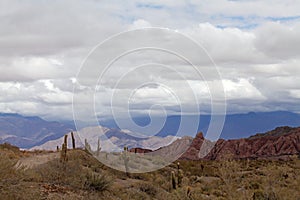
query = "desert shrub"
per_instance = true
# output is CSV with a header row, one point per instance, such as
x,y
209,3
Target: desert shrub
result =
x,y
56,172
254,185
80,171
133,193
97,182
7,146
259,195
7,169
148,189
267,195
228,172
140,176
206,189
217,193
19,191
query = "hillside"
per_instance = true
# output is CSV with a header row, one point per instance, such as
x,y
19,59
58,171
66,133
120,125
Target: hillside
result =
x,y
278,143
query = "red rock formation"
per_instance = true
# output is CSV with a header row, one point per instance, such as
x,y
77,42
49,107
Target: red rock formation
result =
x,y
192,153
280,142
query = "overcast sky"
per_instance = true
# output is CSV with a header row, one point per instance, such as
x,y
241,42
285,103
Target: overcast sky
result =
x,y
254,44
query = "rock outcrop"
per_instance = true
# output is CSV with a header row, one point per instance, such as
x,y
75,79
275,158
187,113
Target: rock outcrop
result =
x,y
277,143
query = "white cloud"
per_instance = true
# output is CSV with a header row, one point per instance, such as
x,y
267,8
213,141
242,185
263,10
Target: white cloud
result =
x,y
255,46
140,23
241,89
279,41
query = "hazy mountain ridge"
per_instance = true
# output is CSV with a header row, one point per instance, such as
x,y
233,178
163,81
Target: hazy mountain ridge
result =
x,y
235,126
284,130
110,140
27,132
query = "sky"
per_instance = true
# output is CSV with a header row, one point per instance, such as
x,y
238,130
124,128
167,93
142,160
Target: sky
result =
x,y
254,47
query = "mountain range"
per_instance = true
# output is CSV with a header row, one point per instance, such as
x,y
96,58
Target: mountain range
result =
x,y
35,132
26,132
235,126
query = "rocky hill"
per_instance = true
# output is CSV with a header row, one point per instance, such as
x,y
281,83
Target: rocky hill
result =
x,y
278,143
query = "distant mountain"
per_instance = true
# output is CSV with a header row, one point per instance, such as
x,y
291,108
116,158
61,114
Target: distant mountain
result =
x,y
278,143
245,125
236,125
279,131
110,140
26,132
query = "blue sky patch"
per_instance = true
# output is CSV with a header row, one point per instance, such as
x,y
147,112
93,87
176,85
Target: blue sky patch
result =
x,y
149,6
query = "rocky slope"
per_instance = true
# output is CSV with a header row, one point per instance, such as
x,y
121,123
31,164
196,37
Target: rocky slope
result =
x,y
277,143
199,148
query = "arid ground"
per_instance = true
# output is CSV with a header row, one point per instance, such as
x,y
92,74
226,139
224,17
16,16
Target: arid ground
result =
x,y
41,175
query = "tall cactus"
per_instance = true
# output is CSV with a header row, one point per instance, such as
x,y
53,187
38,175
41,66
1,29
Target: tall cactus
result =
x,y
73,140
87,146
173,180
63,155
66,140
126,160
179,175
174,185
98,148
179,178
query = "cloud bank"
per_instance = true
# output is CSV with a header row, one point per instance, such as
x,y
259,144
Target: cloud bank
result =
x,y
255,46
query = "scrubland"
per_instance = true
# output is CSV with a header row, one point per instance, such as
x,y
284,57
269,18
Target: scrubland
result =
x,y
84,177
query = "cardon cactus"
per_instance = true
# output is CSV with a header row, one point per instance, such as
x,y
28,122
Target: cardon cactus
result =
x,y
179,175
126,160
173,180
98,148
73,140
63,155
87,146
